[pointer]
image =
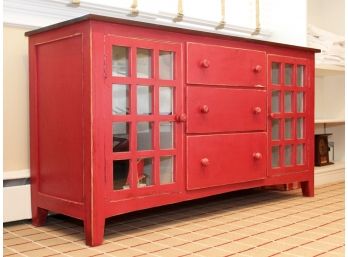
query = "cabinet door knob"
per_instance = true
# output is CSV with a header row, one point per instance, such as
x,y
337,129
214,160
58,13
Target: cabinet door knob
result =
x,y
204,109
258,68
257,110
205,63
205,162
181,117
257,156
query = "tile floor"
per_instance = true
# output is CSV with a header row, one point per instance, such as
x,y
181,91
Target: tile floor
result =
x,y
246,223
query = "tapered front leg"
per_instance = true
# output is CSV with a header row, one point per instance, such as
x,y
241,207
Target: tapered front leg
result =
x,y
94,231
39,216
307,188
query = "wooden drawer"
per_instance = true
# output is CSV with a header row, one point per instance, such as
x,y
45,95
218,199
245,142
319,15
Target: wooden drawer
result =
x,y
215,109
216,160
217,65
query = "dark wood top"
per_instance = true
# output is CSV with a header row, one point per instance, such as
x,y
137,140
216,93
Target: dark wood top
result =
x,y
162,27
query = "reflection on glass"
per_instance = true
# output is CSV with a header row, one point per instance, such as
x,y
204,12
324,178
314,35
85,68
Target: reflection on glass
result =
x,y
288,102
120,99
299,128
144,64
121,177
300,75
299,154
144,136
165,100
275,73
120,132
166,169
275,156
166,135
144,100
275,129
120,63
166,65
288,74
288,128
287,155
299,102
276,101
145,172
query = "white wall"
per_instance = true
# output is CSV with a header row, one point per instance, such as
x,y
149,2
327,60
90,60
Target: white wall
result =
x,y
329,97
286,19
327,14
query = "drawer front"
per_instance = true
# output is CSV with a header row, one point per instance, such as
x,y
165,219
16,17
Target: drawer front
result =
x,y
217,65
217,160
215,109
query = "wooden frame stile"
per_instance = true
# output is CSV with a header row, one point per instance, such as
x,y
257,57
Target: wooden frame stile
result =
x,y
94,221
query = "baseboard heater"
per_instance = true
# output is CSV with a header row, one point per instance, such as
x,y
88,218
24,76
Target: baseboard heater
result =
x,y
16,196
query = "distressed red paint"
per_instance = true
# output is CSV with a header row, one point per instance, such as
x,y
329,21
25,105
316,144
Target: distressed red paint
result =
x,y
222,113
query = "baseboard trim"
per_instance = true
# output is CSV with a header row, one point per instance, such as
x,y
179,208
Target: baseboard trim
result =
x,y
329,176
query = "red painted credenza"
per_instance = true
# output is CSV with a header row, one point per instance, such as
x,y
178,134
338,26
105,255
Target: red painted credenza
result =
x,y
126,115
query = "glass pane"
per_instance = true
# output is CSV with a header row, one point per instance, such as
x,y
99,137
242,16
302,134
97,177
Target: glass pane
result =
x,y
145,172
287,155
288,102
300,102
120,132
299,128
144,135
275,73
288,128
120,99
120,63
300,75
121,174
144,63
276,101
144,100
166,65
166,169
165,100
166,135
275,156
288,74
299,154
275,129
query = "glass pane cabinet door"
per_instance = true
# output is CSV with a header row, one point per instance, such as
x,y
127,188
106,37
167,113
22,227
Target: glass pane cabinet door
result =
x,y
120,61
287,96
144,88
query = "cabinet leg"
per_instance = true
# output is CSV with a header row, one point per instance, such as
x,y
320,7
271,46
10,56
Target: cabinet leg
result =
x,y
94,231
39,216
307,188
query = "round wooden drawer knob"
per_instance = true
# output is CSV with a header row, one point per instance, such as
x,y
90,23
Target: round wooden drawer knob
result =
x,y
257,156
257,110
205,63
205,162
204,109
258,68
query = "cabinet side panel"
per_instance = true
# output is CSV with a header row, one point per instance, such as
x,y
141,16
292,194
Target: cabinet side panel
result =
x,y
60,117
